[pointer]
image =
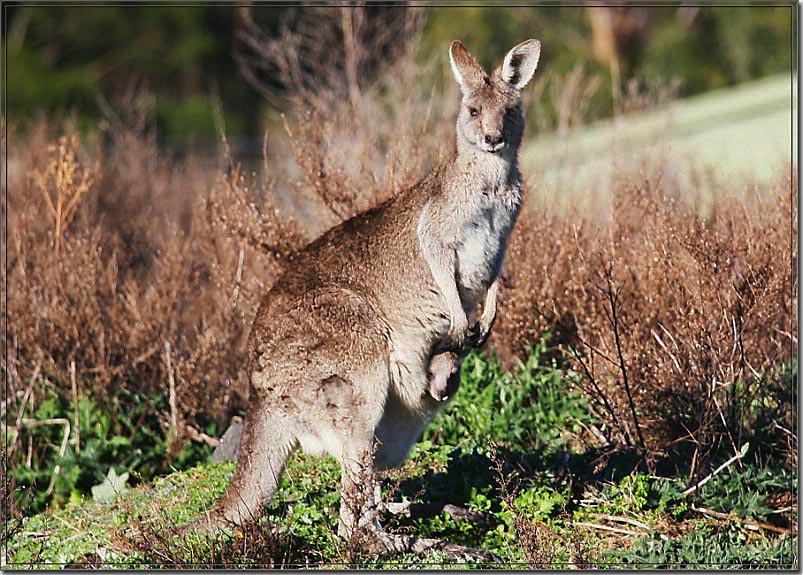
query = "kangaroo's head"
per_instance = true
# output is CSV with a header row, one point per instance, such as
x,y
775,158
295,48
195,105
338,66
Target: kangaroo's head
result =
x,y
490,118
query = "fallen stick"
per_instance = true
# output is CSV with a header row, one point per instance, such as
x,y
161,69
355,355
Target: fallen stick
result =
x,y
629,521
29,423
733,517
608,528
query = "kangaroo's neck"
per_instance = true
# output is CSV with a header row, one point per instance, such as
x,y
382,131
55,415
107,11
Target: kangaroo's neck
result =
x,y
472,168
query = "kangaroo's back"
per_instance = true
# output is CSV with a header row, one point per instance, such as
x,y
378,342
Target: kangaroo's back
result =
x,y
376,252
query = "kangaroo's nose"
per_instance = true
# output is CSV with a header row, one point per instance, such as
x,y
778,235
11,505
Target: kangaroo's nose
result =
x,y
495,140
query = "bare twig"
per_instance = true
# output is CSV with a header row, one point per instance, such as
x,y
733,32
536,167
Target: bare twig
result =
x,y
29,389
629,521
729,462
666,349
786,431
76,413
724,423
749,523
172,392
238,277
608,528
30,423
598,394
298,66
613,300
220,123
64,182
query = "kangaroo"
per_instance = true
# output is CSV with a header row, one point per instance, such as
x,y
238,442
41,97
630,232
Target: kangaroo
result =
x,y
444,375
358,344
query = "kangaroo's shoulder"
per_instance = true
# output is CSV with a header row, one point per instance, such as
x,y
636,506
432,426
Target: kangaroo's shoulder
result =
x,y
379,221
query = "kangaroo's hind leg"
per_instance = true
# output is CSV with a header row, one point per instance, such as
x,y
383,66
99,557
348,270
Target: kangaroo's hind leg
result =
x,y
268,437
359,515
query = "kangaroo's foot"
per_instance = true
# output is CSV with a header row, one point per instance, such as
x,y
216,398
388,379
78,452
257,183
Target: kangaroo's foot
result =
x,y
383,543
415,510
213,522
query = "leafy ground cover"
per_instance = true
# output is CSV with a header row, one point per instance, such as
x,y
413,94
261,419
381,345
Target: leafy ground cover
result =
x,y
521,446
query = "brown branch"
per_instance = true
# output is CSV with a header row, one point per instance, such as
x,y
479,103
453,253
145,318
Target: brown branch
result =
x,y
613,299
746,522
599,395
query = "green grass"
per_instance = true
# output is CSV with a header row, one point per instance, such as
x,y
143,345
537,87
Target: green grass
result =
x,y
743,131
514,445
93,532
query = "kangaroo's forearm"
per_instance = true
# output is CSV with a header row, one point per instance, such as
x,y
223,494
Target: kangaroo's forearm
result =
x,y
442,261
443,264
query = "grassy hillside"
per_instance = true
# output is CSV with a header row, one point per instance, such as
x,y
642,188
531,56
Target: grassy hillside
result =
x,y
730,134
520,447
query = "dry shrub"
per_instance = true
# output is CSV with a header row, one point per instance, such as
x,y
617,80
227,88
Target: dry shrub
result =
x,y
140,271
368,119
544,548
140,291
253,546
325,55
147,278
669,314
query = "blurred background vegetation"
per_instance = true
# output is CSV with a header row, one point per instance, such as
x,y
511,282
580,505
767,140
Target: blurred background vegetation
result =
x,y
71,59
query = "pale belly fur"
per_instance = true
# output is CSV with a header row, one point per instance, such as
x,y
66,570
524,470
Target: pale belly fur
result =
x,y
480,254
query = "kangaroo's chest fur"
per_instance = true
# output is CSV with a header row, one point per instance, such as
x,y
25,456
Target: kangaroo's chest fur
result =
x,y
473,215
481,243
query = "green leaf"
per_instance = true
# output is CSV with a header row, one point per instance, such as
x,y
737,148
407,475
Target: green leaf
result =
x,y
112,486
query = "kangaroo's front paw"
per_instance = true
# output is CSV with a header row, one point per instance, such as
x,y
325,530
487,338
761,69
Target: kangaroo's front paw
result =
x,y
458,336
473,335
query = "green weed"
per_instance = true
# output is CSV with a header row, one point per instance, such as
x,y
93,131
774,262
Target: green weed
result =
x,y
132,440
532,407
707,548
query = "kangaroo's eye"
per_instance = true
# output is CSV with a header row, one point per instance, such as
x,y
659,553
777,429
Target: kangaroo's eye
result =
x,y
473,111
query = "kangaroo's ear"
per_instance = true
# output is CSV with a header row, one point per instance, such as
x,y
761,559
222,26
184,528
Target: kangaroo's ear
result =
x,y
519,65
467,71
